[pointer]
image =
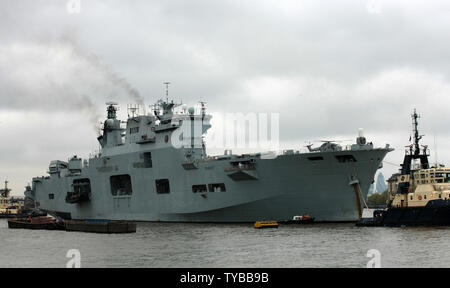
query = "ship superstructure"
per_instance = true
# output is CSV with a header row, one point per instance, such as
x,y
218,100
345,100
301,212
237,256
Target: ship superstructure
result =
x,y
416,159
156,169
428,187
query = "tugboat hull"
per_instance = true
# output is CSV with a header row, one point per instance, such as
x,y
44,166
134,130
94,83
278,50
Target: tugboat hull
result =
x,y
436,213
23,224
418,216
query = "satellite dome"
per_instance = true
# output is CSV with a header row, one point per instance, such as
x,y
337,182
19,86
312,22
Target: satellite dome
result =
x,y
191,110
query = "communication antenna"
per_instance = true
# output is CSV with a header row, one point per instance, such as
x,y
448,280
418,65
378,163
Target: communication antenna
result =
x,y
133,109
112,109
203,109
167,91
417,137
435,151
5,192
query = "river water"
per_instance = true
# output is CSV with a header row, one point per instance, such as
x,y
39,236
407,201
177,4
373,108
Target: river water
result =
x,y
229,245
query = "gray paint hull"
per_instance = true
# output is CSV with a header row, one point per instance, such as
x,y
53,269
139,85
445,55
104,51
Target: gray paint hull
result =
x,y
285,186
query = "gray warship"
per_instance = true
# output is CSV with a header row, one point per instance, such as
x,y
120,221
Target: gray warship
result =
x,y
139,175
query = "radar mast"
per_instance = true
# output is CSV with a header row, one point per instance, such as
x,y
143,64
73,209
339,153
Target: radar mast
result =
x,y
413,153
417,137
5,192
167,91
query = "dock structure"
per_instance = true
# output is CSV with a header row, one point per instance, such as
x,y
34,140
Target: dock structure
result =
x,y
100,226
90,226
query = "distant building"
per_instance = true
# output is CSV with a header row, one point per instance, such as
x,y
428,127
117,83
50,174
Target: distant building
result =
x,y
379,186
371,190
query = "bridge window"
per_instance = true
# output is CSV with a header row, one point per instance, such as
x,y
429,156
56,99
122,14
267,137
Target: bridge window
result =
x,y
134,130
51,196
447,177
345,158
199,188
121,185
162,186
217,187
148,163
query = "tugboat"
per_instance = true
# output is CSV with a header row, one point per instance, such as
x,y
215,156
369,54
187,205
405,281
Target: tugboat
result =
x,y
8,207
421,193
300,219
36,223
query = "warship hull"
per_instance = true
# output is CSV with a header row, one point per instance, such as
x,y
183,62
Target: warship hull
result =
x,y
319,184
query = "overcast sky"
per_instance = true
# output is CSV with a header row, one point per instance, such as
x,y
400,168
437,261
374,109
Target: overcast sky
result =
x,y
328,67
